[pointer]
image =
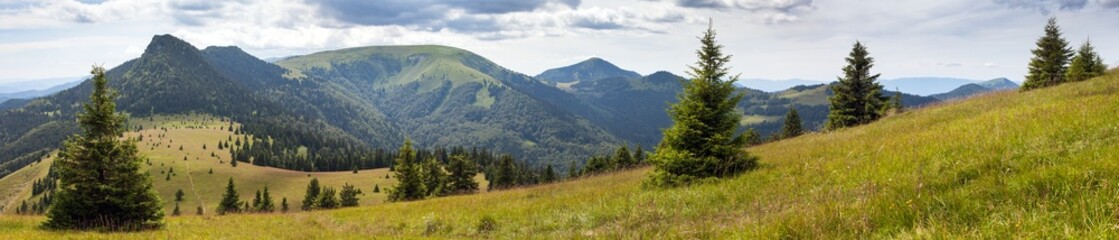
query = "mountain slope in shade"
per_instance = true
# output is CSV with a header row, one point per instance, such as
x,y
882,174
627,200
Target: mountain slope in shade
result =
x,y
774,85
445,96
174,77
587,70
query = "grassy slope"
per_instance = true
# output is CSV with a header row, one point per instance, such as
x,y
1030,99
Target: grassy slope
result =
x,y
191,133
1039,164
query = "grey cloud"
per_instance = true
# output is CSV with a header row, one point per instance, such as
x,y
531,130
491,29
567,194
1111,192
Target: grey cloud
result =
x,y
1045,7
1108,3
421,12
752,5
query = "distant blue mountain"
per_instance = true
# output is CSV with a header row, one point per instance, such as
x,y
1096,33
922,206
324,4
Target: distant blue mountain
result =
x,y
29,94
971,89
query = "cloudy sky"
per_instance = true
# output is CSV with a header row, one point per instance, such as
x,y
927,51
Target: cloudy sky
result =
x,y
771,39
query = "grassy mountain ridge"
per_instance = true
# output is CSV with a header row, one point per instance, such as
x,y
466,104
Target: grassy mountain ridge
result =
x,y
447,96
1003,165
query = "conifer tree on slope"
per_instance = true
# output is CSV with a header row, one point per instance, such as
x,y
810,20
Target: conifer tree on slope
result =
x,y
101,185
230,201
792,126
462,172
311,195
701,143
857,96
1086,64
434,178
1048,65
409,186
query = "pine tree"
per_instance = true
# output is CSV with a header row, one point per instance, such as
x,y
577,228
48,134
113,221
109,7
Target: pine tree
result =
x,y
858,96
409,186
377,188
230,201
101,185
461,180
701,142
327,199
548,175
284,205
312,194
434,178
639,155
349,195
1086,64
623,159
199,211
179,195
505,177
256,203
266,203
792,124
1048,65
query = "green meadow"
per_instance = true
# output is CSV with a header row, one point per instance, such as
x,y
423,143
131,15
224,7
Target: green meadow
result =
x,y
1007,165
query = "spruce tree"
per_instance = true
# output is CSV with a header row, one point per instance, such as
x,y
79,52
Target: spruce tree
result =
x,y
639,155
199,211
701,143
349,195
312,194
857,96
230,201
179,195
409,186
327,199
256,203
792,124
1048,65
284,205
434,178
505,177
101,185
461,180
377,188
266,203
1086,64
623,159
752,137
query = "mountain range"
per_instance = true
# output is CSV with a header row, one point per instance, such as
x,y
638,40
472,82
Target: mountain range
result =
x,y
323,109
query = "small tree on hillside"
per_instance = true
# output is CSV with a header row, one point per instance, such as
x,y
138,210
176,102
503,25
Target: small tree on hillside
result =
x,y
434,178
230,201
266,203
1047,67
505,177
792,124
701,143
623,159
857,96
311,195
1086,64
349,195
410,186
895,102
327,199
101,185
179,195
461,180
